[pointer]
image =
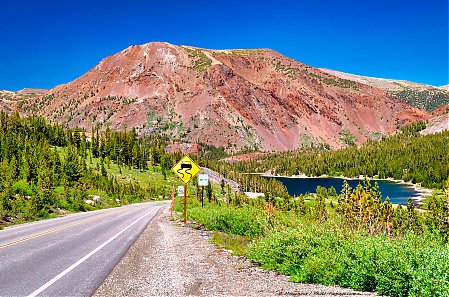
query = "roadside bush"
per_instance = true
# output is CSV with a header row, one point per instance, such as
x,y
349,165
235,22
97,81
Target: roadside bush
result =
x,y
288,251
22,188
245,220
410,266
431,277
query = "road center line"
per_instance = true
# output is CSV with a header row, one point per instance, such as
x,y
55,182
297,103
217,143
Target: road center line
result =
x,y
73,266
53,230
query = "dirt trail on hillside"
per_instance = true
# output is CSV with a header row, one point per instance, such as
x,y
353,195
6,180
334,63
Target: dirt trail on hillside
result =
x,y
170,260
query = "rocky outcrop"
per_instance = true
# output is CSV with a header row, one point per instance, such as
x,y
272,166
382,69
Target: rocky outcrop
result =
x,y
439,121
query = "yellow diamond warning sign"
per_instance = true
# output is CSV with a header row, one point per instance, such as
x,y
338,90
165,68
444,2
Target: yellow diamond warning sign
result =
x,y
186,169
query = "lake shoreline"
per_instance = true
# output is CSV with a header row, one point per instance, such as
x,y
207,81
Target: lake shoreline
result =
x,y
423,192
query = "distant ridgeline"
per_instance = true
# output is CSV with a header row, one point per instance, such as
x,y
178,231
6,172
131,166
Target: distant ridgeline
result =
x,y
44,167
428,99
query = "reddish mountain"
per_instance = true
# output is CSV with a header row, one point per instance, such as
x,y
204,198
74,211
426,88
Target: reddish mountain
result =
x,y
236,98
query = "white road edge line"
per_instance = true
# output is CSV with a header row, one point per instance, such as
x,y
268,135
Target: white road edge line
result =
x,y
56,278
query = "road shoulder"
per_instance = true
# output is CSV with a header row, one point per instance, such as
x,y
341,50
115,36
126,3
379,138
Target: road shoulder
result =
x,y
169,260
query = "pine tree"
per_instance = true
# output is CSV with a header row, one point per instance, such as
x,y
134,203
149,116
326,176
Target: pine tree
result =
x,y
319,209
222,185
387,216
209,192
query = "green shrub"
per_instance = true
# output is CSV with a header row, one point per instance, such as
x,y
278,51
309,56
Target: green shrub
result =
x,y
245,220
431,277
290,251
411,266
22,188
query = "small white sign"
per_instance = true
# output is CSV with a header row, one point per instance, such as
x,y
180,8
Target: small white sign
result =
x,y
180,191
203,180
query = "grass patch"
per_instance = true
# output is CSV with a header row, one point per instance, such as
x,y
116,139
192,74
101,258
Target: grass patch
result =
x,y
200,61
236,243
346,137
150,177
246,221
246,52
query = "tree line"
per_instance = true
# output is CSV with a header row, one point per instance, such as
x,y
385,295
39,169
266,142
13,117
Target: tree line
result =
x,y
47,167
407,156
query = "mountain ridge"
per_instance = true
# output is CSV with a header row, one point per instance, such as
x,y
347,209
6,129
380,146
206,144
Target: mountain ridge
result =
x,y
419,95
240,98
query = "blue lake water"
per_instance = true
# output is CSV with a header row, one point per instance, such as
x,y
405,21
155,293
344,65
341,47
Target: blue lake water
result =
x,y
397,192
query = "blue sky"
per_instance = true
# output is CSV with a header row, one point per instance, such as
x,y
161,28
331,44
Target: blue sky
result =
x,y
46,43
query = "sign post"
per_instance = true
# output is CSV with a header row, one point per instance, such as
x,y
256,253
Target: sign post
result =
x,y
186,170
172,200
185,203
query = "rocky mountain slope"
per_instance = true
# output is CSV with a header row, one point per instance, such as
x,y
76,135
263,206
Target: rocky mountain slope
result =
x,y
13,101
233,98
418,95
438,121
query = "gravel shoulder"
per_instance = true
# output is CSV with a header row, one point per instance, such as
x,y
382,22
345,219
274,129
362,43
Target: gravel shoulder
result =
x,y
170,260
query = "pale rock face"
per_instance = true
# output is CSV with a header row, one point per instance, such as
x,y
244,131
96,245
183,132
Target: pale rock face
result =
x,y
165,56
138,69
438,122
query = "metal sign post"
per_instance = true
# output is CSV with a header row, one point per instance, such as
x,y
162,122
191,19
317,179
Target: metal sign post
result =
x,y
202,197
185,203
186,170
172,200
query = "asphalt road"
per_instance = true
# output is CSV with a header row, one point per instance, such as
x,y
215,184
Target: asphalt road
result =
x,y
69,256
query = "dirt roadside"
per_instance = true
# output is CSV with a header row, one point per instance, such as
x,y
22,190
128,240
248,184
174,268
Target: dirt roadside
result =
x,y
169,260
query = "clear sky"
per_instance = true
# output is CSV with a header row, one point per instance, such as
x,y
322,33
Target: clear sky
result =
x,y
46,43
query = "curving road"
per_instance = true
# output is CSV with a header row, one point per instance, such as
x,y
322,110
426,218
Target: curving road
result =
x,y
69,256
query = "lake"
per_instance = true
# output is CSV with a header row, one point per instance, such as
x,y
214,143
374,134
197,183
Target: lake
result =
x,y
398,192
